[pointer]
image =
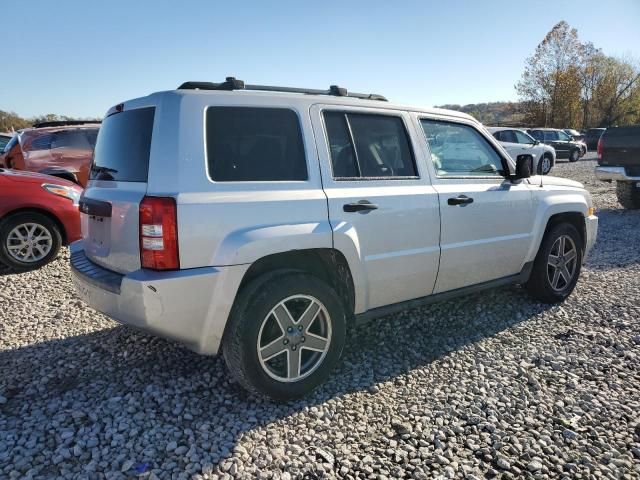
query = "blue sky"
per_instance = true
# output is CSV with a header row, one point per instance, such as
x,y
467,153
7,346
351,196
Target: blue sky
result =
x,y
80,57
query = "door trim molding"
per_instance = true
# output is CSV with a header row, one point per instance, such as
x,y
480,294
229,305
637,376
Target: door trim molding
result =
x,y
375,313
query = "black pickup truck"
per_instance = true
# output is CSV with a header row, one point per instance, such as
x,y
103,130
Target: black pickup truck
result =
x,y
619,160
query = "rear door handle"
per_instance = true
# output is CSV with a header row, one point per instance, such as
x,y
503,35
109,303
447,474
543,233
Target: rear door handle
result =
x,y
361,206
460,200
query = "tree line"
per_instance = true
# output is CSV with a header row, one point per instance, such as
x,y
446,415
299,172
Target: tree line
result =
x,y
10,121
570,84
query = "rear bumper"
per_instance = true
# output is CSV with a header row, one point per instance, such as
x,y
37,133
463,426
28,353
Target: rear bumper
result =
x,y
189,306
591,225
608,174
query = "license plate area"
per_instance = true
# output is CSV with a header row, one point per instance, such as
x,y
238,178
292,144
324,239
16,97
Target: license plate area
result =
x,y
98,235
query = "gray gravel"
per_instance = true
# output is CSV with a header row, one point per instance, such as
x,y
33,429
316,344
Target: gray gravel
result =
x,y
490,385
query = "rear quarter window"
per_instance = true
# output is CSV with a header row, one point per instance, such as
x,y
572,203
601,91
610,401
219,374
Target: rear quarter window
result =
x,y
254,144
122,148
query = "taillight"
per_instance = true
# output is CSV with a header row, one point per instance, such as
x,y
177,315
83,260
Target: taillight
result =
x,y
600,149
159,233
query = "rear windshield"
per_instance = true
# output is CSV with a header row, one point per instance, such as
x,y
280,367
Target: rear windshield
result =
x,y
122,147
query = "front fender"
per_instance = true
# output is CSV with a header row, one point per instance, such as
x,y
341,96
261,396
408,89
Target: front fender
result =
x,y
552,204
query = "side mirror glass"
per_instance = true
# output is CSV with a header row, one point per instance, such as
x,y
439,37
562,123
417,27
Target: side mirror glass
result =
x,y
524,166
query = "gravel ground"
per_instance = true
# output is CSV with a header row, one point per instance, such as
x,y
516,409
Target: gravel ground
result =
x,y
490,385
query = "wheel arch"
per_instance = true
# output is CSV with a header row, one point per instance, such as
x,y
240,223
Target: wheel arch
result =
x,y
327,264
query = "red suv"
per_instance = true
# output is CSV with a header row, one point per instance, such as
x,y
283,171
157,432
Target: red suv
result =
x,y
61,149
38,214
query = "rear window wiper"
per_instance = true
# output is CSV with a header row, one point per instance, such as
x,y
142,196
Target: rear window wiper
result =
x,y
99,169
103,173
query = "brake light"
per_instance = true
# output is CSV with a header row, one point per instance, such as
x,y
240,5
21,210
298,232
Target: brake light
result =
x,y
159,233
600,149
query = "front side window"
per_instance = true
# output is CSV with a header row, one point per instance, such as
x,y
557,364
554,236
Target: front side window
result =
x,y
254,144
42,142
368,146
73,139
550,136
563,136
522,137
460,150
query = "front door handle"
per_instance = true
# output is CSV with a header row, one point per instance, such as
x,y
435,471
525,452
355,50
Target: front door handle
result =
x,y
361,206
460,200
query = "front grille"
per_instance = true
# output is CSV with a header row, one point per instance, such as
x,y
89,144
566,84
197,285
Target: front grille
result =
x,y
95,274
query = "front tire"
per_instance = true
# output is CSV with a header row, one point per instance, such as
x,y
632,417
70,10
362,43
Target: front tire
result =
x,y
28,241
628,195
285,335
557,265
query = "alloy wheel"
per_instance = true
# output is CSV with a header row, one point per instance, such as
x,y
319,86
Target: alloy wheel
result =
x,y
562,263
294,338
29,242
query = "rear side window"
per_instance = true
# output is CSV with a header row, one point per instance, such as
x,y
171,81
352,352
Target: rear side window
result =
x,y
73,139
508,136
122,149
247,144
42,142
368,146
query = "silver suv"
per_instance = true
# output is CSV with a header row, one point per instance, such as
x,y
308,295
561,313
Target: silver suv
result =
x,y
260,222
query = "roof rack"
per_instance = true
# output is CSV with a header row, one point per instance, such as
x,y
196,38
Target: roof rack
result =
x,y
63,123
232,83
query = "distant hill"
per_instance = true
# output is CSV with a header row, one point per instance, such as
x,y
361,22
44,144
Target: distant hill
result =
x,y
493,113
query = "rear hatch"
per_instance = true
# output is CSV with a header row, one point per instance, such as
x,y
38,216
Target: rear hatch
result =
x,y
621,147
117,184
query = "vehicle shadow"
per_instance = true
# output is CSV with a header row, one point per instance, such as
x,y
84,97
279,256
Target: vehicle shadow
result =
x,y
123,384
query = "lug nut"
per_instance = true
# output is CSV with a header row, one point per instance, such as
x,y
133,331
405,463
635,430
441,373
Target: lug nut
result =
x,y
302,339
289,329
285,341
300,327
293,347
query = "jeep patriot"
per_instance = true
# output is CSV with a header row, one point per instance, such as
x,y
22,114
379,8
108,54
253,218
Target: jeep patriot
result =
x,y
259,222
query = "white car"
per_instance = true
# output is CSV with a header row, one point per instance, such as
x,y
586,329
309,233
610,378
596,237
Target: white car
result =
x,y
260,222
518,142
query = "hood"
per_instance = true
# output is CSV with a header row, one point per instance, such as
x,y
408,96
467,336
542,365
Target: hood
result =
x,y
32,177
561,182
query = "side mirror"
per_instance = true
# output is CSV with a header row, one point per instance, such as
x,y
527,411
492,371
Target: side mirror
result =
x,y
536,142
524,166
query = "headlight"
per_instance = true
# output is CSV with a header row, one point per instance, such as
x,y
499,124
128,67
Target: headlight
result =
x,y
62,191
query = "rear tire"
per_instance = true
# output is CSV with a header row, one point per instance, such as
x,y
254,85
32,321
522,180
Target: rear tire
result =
x,y
37,234
574,156
275,351
546,162
628,195
559,257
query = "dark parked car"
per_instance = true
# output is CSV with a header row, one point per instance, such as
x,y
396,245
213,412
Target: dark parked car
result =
x,y
592,136
38,214
619,160
563,144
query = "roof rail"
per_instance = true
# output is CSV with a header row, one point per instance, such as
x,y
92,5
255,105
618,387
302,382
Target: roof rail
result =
x,y
232,83
64,123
